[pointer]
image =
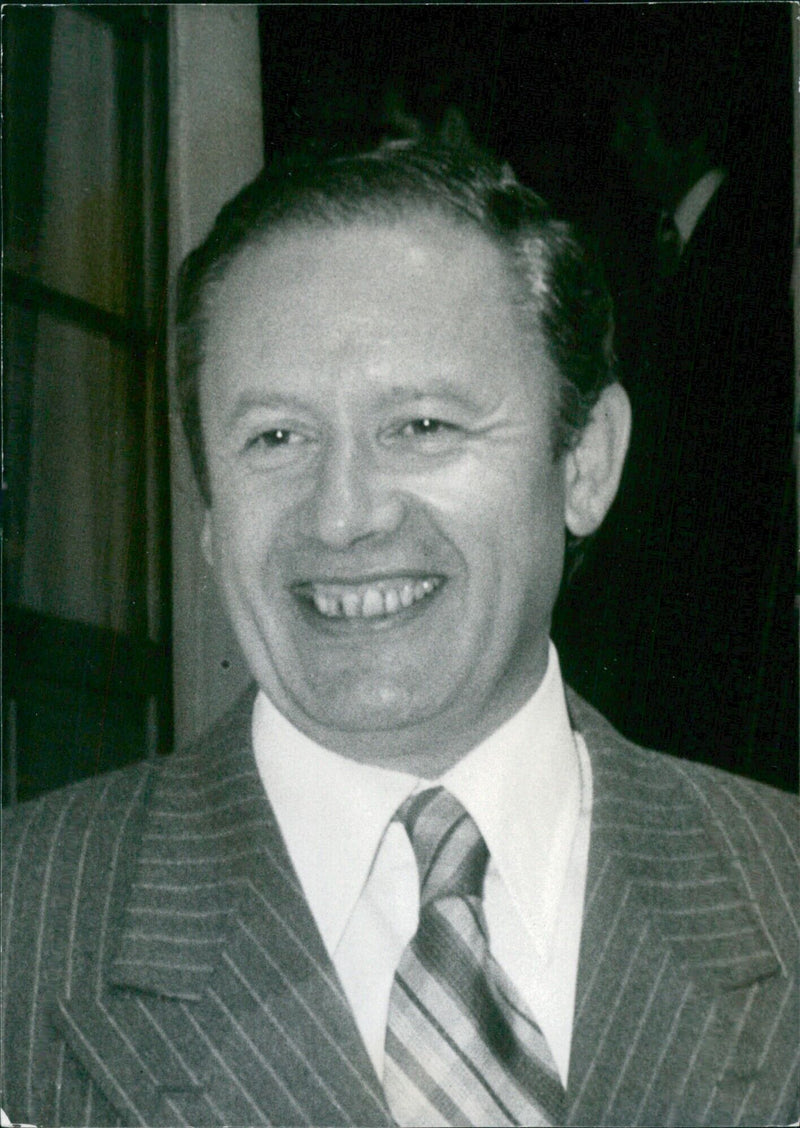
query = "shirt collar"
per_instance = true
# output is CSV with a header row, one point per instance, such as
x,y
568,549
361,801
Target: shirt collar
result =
x,y
521,785
688,212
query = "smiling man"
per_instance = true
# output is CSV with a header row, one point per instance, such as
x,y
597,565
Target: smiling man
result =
x,y
410,879
387,515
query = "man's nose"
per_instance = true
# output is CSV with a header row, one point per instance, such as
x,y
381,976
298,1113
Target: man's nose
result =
x,y
354,498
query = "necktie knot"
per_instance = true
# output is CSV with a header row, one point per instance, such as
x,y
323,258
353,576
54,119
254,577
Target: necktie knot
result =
x,y
451,854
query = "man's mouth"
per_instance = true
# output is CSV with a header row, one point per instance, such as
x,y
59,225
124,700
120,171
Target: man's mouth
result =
x,y
370,600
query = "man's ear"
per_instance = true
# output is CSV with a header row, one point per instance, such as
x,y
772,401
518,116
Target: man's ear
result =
x,y
594,465
206,538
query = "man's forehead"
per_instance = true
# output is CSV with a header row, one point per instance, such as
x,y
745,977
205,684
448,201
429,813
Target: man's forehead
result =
x,y
413,257
419,300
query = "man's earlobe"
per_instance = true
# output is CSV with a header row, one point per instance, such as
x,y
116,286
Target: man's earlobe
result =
x,y
206,539
594,466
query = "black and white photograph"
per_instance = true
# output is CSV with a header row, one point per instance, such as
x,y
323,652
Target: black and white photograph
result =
x,y
400,589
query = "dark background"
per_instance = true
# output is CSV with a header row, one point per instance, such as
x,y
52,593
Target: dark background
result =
x,y
536,83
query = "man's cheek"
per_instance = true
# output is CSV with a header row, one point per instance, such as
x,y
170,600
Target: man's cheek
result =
x,y
467,490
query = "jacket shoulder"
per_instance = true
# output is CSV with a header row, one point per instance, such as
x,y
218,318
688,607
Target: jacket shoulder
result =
x,y
756,828
47,826
84,822
710,785
60,856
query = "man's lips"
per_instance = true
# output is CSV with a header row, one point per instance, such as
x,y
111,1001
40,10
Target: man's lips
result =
x,y
368,599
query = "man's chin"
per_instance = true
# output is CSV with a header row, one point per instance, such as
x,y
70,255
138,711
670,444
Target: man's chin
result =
x,y
371,718
371,706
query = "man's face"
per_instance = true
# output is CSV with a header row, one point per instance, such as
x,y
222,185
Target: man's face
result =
x,y
387,516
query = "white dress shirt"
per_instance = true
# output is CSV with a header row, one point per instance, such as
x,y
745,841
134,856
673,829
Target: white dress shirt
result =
x,y
528,788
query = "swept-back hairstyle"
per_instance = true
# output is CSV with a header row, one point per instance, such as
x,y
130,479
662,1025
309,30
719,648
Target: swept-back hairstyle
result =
x,y
556,275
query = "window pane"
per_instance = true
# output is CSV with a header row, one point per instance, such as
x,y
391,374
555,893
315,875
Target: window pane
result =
x,y
82,555
79,247
26,55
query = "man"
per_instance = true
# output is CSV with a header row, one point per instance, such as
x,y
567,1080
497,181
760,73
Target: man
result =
x,y
409,880
698,556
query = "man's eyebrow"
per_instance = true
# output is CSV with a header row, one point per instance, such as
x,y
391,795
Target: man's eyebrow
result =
x,y
255,401
441,388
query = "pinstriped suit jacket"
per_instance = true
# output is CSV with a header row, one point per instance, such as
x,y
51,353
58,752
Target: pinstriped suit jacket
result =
x,y
161,966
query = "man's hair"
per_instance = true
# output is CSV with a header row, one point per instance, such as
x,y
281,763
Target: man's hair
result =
x,y
556,273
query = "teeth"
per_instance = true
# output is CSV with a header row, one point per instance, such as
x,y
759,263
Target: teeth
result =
x,y
371,600
351,604
373,603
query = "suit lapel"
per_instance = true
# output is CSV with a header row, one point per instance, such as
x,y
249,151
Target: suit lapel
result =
x,y
672,956
220,1004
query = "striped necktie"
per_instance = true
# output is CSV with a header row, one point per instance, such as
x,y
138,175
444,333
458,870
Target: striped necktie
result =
x,y
461,1047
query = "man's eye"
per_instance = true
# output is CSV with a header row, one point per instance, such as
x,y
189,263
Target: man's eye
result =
x,y
426,427
425,434
276,437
